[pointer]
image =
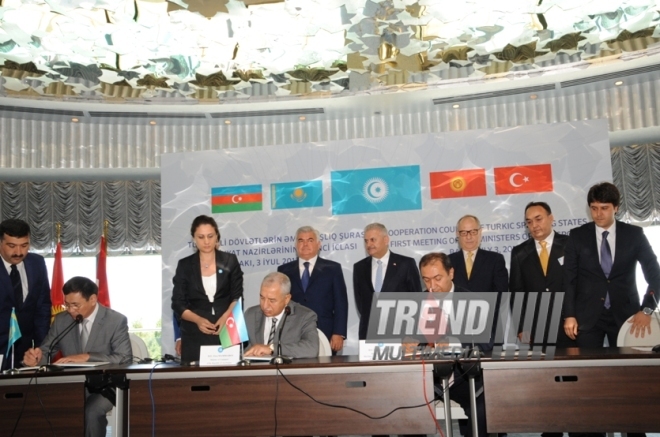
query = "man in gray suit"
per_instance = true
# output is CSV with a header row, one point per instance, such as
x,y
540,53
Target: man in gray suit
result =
x,y
101,336
264,322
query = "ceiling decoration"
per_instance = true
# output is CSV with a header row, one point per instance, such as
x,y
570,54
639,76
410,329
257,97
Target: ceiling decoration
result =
x,y
219,51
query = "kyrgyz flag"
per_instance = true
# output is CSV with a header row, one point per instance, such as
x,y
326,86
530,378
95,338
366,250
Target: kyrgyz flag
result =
x,y
235,330
236,199
57,282
458,183
102,274
523,179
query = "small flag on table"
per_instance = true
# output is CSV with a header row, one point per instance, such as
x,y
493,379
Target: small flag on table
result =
x,y
235,329
14,330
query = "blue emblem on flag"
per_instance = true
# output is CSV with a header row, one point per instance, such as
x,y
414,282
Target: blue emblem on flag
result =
x,y
305,194
376,190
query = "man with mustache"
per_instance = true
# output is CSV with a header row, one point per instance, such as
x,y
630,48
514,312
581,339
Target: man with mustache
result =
x,y
23,286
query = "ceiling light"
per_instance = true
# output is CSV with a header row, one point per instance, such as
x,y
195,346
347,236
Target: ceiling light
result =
x,y
75,120
533,96
227,121
618,82
152,122
456,106
302,118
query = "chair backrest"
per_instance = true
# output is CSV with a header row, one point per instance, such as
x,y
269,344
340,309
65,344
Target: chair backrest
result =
x,y
324,345
138,346
625,338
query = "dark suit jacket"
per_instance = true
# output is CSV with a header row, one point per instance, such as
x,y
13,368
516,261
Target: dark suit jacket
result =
x,y
401,276
326,294
489,272
300,339
527,277
585,283
34,315
108,340
189,294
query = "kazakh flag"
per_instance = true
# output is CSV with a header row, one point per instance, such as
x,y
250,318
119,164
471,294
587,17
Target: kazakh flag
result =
x,y
14,330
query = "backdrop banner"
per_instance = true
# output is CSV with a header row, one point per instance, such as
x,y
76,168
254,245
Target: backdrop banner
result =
x,y
418,186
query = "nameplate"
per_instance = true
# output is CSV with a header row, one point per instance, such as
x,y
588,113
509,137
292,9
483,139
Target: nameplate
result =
x,y
219,356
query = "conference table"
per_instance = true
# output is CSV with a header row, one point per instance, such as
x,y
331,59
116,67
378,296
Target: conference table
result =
x,y
604,390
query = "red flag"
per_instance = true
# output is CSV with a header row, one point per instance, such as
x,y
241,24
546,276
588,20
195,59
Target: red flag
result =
x,y
523,179
458,183
56,284
102,276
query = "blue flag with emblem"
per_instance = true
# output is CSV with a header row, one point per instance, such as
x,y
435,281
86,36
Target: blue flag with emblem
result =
x,y
376,190
14,330
304,194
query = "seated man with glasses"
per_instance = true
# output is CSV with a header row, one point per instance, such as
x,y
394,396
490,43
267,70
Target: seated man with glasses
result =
x,y
101,336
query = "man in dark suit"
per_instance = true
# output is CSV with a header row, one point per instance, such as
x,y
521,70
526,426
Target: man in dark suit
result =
x,y
475,269
600,285
102,336
23,286
300,339
438,274
537,266
398,273
319,285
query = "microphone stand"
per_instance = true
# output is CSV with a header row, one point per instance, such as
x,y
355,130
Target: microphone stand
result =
x,y
53,367
279,358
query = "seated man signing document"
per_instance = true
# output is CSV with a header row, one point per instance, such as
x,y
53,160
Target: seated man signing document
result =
x,y
264,322
100,336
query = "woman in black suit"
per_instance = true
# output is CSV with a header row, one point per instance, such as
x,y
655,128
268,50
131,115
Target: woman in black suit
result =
x,y
207,285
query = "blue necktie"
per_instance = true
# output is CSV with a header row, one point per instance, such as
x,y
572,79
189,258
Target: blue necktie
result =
x,y
606,263
305,276
378,283
17,285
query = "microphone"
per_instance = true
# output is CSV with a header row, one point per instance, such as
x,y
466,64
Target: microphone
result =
x,y
656,348
279,358
56,341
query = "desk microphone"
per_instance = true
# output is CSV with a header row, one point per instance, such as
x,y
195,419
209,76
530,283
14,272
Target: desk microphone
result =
x,y
656,348
49,367
279,358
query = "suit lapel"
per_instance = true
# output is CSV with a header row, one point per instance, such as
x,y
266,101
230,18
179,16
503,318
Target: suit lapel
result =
x,y
295,274
592,244
259,335
197,274
619,247
390,274
459,267
97,327
5,284
315,273
478,264
536,259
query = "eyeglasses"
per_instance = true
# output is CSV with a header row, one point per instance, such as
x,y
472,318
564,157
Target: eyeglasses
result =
x,y
472,232
74,306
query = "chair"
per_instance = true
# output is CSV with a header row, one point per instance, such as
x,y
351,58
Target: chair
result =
x,y
626,339
324,345
138,346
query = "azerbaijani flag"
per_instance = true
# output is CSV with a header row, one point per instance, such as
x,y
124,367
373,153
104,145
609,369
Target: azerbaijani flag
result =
x,y
235,330
236,199
14,330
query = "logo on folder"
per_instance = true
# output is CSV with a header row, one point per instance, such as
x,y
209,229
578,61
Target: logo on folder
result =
x,y
376,190
305,194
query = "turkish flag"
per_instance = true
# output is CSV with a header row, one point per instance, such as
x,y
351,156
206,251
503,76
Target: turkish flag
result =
x,y
458,183
523,179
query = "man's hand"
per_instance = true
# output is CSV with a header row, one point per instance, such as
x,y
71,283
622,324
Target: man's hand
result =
x,y
222,321
177,347
258,350
571,327
524,337
641,324
80,358
32,357
336,342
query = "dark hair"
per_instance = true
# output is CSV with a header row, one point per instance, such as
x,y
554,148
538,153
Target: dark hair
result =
x,y
82,285
605,192
14,228
541,204
204,220
434,257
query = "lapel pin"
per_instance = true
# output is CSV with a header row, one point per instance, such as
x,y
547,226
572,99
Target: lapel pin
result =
x,y
220,271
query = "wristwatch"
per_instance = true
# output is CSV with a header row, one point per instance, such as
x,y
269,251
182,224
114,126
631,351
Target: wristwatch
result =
x,y
648,311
